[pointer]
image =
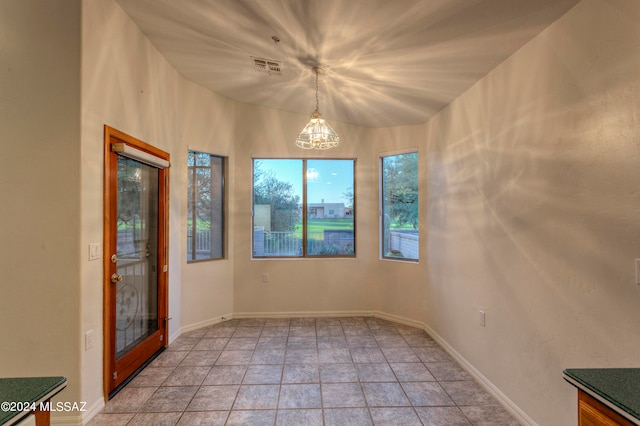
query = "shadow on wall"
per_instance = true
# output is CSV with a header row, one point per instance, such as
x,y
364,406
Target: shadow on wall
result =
x,y
535,193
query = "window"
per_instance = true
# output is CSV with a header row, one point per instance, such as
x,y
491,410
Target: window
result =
x,y
206,205
303,208
399,199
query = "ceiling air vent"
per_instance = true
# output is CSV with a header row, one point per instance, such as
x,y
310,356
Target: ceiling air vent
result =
x,y
269,66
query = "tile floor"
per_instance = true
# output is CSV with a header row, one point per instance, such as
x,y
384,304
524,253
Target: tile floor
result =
x,y
304,371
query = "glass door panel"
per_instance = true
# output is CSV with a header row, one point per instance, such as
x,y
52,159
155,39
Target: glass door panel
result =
x,y
136,296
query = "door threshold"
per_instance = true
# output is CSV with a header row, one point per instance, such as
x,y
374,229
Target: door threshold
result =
x,y
135,373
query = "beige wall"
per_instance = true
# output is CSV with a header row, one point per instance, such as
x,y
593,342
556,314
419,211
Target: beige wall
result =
x,y
300,285
401,286
533,211
128,85
530,214
40,187
206,287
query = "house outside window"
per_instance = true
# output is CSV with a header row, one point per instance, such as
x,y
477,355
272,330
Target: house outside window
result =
x,y
206,207
399,207
303,208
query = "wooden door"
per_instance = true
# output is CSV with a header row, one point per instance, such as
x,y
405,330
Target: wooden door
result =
x,y
135,255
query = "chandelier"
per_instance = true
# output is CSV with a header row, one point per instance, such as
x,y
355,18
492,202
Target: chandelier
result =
x,y
317,134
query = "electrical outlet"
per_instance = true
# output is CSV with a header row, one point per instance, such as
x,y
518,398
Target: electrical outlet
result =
x,y
482,318
265,278
88,340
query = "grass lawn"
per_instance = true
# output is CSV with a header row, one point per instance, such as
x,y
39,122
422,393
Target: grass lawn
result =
x,y
406,226
316,227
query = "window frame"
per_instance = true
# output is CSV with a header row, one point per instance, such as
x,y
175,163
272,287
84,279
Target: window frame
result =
x,y
190,252
304,211
381,195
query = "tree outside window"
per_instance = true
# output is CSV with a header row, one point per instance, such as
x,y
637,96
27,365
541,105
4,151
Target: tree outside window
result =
x,y
400,206
205,200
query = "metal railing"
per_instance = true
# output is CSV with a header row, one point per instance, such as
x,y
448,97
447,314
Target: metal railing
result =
x,y
202,241
289,243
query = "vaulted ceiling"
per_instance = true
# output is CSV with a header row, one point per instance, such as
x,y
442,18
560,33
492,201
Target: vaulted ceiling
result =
x,y
385,62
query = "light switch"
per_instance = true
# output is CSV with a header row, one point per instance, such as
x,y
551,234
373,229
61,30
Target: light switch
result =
x,y
94,251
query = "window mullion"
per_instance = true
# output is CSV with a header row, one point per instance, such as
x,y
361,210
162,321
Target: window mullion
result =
x,y
194,203
223,221
304,208
212,204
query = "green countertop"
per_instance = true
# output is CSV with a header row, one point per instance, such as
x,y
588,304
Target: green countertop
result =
x,y
18,392
617,388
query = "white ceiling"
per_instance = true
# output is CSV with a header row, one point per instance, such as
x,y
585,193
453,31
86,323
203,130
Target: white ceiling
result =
x,y
386,62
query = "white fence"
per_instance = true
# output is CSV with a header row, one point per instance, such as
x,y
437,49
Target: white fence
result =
x,y
203,245
405,243
289,243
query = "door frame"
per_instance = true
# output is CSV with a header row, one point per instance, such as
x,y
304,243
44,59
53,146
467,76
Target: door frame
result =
x,y
131,361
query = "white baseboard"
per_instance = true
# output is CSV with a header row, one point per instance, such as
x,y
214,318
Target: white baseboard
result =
x,y
509,405
205,323
67,420
305,314
81,418
399,320
94,409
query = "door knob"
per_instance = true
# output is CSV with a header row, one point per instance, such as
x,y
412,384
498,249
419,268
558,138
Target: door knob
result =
x,y
115,278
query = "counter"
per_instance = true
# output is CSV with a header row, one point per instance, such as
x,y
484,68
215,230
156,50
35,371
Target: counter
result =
x,y
21,396
618,389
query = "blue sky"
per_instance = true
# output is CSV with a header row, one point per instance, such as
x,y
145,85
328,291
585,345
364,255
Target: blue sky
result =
x,y
326,179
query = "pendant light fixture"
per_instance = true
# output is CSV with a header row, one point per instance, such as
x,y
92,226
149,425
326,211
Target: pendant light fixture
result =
x,y
317,134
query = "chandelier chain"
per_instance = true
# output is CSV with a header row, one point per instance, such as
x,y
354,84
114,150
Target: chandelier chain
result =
x,y
317,103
